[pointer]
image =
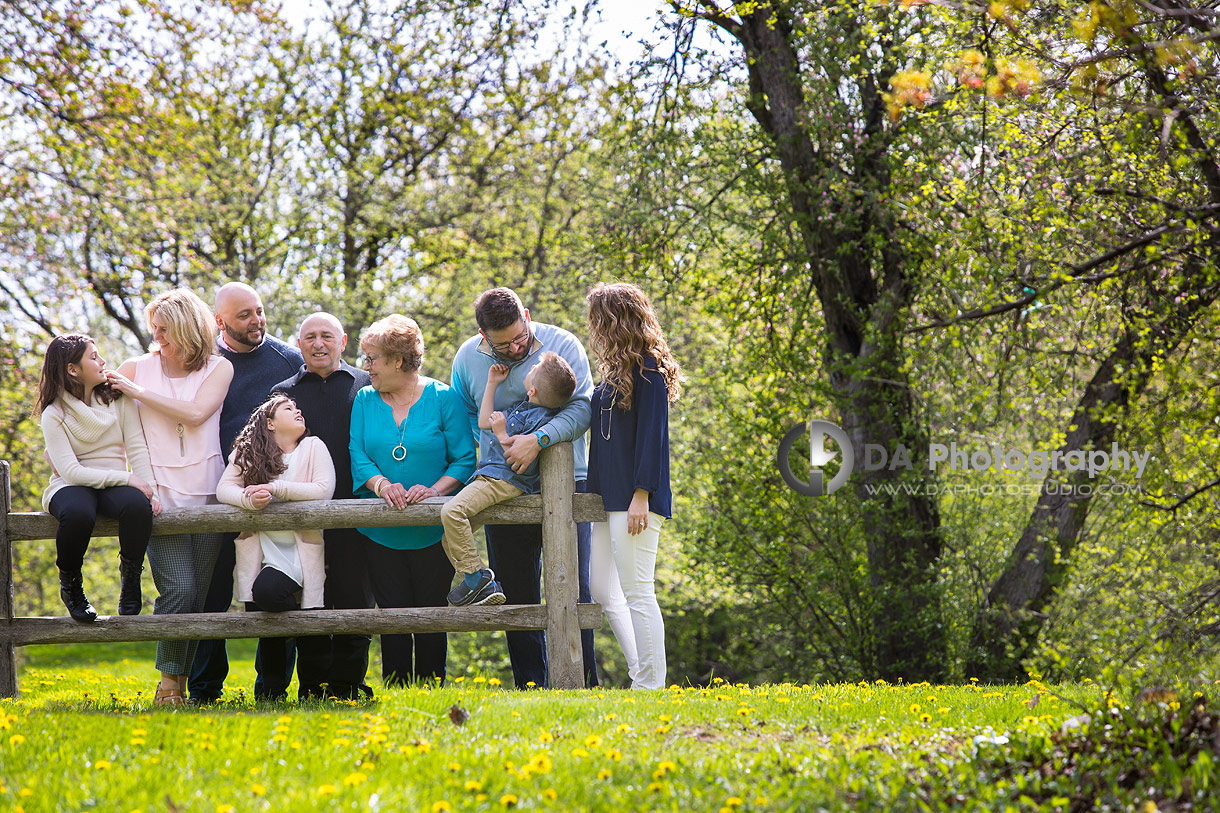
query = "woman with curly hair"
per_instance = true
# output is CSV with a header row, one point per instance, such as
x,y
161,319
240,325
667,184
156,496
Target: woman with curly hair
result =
x,y
274,459
410,440
92,436
629,467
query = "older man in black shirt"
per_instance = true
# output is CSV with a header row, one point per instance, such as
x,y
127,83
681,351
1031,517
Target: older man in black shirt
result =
x,y
324,390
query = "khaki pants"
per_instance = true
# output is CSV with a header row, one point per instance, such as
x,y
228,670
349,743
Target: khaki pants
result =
x,y
458,541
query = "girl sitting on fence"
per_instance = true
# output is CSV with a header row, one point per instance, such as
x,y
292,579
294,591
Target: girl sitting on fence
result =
x,y
273,458
92,435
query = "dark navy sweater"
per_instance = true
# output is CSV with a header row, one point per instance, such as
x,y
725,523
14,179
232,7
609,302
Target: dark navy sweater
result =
x,y
254,373
326,404
630,447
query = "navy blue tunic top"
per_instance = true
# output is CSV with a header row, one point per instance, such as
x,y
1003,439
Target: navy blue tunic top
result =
x,y
630,447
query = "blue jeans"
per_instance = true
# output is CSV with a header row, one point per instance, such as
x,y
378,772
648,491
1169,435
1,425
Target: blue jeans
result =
x,y
514,552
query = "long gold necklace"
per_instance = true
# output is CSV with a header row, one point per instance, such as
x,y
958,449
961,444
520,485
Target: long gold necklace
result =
x,y
173,391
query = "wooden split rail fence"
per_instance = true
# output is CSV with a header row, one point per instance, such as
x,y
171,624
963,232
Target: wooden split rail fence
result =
x,y
557,508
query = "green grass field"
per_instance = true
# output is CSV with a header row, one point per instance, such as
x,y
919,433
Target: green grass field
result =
x,y
84,736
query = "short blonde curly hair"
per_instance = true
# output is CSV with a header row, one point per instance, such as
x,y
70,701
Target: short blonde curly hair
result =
x,y
396,335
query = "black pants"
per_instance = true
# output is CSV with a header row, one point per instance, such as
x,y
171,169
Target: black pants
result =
x,y
347,588
514,552
275,592
411,578
211,664
77,509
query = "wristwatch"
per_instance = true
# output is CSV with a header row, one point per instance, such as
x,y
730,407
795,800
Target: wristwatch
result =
x,y
544,439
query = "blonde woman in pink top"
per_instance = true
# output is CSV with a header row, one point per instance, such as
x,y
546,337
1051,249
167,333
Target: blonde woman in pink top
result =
x,y
180,387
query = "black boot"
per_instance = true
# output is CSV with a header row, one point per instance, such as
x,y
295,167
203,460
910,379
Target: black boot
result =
x,y
129,589
72,591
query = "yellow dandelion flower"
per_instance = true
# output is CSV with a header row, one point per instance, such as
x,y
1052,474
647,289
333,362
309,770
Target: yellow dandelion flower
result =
x,y
761,800
509,800
743,712
355,778
138,732
925,718
338,742
473,785
254,771
550,794
294,745
137,741
915,708
604,774
531,684
654,787
326,790
611,716
665,766
665,718
102,765
441,806
454,766
258,790
733,801
16,739
663,729
545,737
540,763
614,754
593,741
225,808
424,746
493,682
579,752
25,792
480,679
622,728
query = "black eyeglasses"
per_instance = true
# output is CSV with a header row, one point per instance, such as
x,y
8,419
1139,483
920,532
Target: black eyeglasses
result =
x,y
504,347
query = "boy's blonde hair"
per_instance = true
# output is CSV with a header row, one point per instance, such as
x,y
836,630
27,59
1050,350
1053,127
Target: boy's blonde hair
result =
x,y
554,381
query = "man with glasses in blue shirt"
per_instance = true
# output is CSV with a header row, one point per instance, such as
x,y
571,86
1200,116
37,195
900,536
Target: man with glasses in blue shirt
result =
x,y
514,552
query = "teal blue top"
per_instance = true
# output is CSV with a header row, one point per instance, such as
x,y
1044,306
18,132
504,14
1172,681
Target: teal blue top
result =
x,y
436,435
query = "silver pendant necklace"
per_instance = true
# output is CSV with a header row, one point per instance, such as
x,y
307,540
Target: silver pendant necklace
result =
x,y
399,452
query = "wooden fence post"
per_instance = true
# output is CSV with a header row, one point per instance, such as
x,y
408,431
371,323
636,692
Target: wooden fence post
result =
x,y
565,666
8,650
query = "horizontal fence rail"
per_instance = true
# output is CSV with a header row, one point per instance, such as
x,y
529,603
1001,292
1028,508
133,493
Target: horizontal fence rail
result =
x,y
309,514
557,509
203,626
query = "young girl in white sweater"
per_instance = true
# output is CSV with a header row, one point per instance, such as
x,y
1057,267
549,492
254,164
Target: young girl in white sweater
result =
x,y
272,459
92,436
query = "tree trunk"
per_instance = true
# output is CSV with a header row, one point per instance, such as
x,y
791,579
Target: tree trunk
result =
x,y
864,295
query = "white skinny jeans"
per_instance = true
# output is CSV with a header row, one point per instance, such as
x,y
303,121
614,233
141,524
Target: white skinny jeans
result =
x,y
622,581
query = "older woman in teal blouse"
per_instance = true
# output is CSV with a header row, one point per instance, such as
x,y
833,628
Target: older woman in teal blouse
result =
x,y
410,440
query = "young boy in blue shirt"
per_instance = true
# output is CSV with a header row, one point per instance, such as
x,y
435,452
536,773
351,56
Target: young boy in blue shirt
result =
x,y
548,387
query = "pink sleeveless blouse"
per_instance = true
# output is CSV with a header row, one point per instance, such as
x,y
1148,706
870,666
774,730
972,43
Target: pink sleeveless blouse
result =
x,y
186,459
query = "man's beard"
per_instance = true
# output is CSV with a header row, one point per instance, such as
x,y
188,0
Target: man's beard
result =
x,y
242,338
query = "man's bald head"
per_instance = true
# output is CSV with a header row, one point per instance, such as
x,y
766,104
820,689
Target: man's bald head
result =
x,y
322,341
239,313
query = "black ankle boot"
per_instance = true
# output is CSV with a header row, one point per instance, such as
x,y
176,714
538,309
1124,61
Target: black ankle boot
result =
x,y
72,591
129,586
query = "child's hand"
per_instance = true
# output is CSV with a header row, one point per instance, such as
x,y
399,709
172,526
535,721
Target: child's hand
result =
x,y
497,373
260,495
498,423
